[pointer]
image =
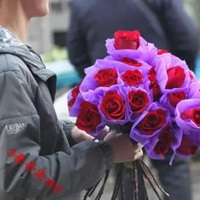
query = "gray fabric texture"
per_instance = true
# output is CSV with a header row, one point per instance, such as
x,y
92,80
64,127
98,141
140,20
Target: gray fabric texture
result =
x,y
28,124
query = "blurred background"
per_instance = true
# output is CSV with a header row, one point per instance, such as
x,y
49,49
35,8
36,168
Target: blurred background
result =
x,y
48,37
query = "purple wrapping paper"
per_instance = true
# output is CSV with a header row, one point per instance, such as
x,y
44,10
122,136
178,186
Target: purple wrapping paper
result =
x,y
164,100
148,56
138,136
187,124
146,51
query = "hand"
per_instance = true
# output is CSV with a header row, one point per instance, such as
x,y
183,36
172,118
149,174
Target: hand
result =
x,y
123,149
79,135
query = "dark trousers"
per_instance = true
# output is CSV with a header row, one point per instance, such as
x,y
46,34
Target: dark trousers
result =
x,y
175,179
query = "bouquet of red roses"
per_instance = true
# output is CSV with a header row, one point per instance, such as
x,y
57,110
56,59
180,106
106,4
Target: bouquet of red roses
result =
x,y
147,89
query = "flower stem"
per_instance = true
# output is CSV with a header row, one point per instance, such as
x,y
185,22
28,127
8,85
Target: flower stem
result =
x,y
135,180
156,182
144,187
150,181
122,184
118,181
103,186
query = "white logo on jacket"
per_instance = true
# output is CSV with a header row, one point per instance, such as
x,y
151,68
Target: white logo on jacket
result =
x,y
15,128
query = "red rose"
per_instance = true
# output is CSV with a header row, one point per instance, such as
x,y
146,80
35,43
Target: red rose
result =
x,y
186,147
193,114
153,121
154,86
132,77
161,149
174,98
138,101
88,117
165,139
162,51
152,74
113,106
74,95
131,62
127,39
176,77
106,77
192,76
196,116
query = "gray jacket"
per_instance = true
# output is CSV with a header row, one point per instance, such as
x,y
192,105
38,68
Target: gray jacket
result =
x,y
28,125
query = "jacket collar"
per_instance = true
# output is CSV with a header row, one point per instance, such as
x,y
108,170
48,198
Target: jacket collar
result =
x,y
7,39
9,44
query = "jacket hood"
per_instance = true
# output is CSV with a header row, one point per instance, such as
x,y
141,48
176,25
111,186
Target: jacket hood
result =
x,y
10,44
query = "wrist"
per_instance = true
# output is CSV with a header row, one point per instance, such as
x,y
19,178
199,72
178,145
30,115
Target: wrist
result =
x,y
67,128
105,147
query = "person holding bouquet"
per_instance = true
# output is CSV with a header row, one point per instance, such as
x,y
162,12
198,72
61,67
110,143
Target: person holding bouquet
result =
x,y
93,22
36,161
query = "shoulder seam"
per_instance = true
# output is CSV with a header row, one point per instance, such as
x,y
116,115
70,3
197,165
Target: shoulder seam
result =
x,y
7,66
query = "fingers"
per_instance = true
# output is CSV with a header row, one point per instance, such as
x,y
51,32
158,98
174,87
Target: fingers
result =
x,y
137,147
137,150
106,129
103,133
80,135
123,148
84,136
110,135
138,155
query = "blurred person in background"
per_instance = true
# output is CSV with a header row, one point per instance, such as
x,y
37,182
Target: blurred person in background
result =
x,y
37,160
162,22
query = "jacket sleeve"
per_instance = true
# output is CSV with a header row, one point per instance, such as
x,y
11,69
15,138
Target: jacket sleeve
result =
x,y
24,173
180,30
67,127
77,43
